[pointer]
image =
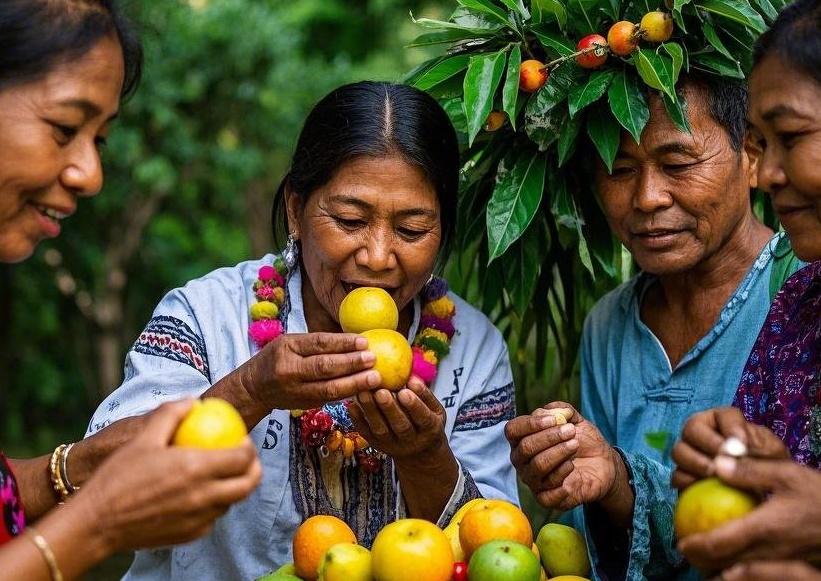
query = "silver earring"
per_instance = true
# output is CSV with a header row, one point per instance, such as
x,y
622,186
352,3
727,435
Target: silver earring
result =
x,y
291,253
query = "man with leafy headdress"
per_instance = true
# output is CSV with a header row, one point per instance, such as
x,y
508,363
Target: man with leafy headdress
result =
x,y
666,147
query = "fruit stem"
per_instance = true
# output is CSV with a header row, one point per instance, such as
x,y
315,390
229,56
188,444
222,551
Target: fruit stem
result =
x,y
560,60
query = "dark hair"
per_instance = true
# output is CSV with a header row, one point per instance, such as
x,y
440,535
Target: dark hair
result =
x,y
37,35
374,119
727,102
794,38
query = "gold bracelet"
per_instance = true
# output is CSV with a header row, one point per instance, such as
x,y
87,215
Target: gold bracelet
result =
x,y
54,469
70,488
45,550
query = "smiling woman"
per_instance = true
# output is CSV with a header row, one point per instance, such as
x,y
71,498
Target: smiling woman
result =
x,y
369,201
64,67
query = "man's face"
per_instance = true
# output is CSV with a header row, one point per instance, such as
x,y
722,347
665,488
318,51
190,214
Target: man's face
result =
x,y
676,199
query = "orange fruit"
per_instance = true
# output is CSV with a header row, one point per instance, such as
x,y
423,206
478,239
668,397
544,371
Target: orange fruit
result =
x,y
532,75
491,520
708,503
211,423
411,549
313,537
394,357
622,38
367,308
495,120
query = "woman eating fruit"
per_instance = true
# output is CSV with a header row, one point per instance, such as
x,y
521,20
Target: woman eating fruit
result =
x,y
369,201
779,389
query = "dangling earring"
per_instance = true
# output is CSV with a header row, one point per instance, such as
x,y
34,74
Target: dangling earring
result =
x,y
291,253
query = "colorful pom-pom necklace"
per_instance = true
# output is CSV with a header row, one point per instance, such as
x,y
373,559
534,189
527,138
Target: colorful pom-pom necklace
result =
x,y
329,428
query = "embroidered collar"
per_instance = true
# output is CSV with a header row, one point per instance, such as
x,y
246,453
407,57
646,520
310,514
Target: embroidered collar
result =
x,y
329,428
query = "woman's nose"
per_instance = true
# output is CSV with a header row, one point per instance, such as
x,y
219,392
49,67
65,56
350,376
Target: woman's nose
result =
x,y
378,251
771,175
83,173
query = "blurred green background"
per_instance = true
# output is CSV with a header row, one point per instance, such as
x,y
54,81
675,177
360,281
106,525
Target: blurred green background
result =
x,y
191,167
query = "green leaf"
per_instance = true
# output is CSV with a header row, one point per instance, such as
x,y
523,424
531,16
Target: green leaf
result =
x,y
717,63
481,81
657,440
510,90
766,9
520,273
580,96
604,131
555,41
515,199
712,37
655,70
542,9
489,8
442,71
566,213
736,10
629,104
518,7
479,28
568,139
445,37
676,54
676,112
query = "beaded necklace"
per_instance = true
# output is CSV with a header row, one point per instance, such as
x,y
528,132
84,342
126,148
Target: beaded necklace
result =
x,y
329,428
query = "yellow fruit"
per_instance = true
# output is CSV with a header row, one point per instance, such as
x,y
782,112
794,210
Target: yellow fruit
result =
x,y
345,562
494,520
707,504
562,550
367,308
394,357
411,549
656,26
313,537
211,423
532,75
568,578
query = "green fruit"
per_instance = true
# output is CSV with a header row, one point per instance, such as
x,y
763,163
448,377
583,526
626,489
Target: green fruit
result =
x,y
504,561
562,550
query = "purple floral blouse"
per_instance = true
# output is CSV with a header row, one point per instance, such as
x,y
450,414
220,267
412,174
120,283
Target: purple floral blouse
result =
x,y
780,384
13,521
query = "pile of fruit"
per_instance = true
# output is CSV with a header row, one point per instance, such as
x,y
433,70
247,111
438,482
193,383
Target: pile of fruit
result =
x,y
486,540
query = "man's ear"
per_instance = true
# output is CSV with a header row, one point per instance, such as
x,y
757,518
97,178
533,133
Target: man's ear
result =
x,y
753,152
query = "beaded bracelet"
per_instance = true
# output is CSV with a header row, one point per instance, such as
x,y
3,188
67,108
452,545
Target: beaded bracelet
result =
x,y
54,469
45,550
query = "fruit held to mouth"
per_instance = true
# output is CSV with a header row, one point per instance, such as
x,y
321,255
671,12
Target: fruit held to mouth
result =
x,y
367,308
707,504
656,26
532,75
596,45
394,357
622,38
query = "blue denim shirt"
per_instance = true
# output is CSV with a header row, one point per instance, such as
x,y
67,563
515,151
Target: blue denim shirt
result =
x,y
639,402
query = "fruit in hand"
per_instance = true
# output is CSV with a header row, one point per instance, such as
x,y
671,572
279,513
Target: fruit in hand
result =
x,y
366,308
622,38
595,57
708,503
411,549
656,26
504,561
491,520
394,357
532,75
278,577
345,562
562,550
211,423
313,537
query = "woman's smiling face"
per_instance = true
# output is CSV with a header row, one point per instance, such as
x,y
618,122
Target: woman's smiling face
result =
x,y
785,119
376,223
51,130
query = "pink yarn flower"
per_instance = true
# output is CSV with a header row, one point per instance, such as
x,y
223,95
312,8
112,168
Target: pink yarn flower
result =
x,y
424,370
266,273
264,331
